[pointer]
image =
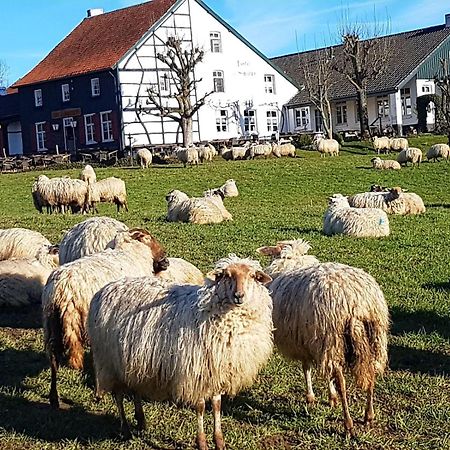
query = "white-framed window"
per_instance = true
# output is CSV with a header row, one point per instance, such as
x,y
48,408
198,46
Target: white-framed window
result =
x,y
302,118
216,42
65,89
383,106
95,87
341,113
405,95
89,128
250,121
222,121
106,124
40,136
219,84
272,120
269,84
164,83
426,89
38,97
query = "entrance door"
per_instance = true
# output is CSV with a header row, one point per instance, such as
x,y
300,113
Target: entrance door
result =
x,y
69,135
15,146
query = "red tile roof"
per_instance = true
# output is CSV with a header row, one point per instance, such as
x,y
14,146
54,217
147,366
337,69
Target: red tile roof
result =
x,y
98,42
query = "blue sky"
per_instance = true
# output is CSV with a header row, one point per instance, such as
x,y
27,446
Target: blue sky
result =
x,y
31,28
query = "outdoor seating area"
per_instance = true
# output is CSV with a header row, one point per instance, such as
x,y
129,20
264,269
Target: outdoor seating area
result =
x,y
24,163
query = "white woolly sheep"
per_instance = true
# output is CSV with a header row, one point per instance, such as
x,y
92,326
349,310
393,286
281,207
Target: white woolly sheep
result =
x,y
283,149
326,146
217,199
340,218
144,157
385,164
437,151
88,174
228,189
335,318
187,155
109,190
412,155
206,153
182,343
181,271
394,201
256,150
88,237
381,144
398,144
20,243
22,279
200,210
287,255
234,153
70,288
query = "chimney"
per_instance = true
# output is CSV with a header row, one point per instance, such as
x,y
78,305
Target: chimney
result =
x,y
94,12
447,21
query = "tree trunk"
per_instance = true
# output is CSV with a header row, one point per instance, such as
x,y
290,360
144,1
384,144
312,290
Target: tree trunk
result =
x,y
363,112
186,127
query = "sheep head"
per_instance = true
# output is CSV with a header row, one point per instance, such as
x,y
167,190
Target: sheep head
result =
x,y
286,249
176,196
395,192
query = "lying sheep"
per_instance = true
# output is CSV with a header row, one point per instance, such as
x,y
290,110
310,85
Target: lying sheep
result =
x,y
187,155
22,280
109,190
335,318
88,175
340,218
144,157
326,146
381,144
181,271
412,155
393,201
228,189
398,144
70,288
182,343
89,237
437,151
283,149
385,164
20,243
201,210
287,255
217,199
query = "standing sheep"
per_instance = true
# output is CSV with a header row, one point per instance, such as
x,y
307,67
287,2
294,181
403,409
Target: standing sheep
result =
x,y
437,151
182,343
90,236
88,174
326,146
335,318
340,218
109,190
385,164
144,157
283,149
187,156
381,144
20,243
398,144
70,288
412,155
206,153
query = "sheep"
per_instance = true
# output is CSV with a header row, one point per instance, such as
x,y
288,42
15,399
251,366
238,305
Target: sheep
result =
x,y
206,153
90,236
181,271
144,157
287,255
70,288
385,164
437,151
283,149
392,201
255,150
234,153
109,190
201,210
381,143
334,317
340,218
228,189
412,155
187,155
217,199
88,174
398,144
20,243
22,279
183,343
326,146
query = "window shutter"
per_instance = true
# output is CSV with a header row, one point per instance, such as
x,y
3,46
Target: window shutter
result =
x,y
33,139
82,131
97,125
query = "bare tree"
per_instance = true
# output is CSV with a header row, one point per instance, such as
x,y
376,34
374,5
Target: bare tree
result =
x,y
442,80
182,104
3,74
319,80
363,59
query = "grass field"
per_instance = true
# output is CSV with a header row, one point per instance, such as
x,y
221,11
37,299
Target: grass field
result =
x,y
279,199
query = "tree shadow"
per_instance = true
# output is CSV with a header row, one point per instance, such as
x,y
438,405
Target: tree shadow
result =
x,y
29,317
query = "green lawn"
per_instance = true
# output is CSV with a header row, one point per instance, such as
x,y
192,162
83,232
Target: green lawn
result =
x,y
279,199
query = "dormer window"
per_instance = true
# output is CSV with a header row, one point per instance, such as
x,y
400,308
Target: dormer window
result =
x,y
216,42
95,87
65,92
38,97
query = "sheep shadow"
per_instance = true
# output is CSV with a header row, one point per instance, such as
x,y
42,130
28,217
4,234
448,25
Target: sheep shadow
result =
x,y
438,205
29,317
439,287
299,230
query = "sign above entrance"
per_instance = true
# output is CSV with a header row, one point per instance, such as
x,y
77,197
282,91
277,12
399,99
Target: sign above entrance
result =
x,y
71,112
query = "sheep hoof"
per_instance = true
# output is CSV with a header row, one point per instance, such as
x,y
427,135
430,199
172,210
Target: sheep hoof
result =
x,y
333,401
125,433
201,442
310,399
219,442
349,430
54,402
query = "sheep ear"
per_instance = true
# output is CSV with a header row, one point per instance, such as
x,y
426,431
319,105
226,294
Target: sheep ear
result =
x,y
262,277
269,251
54,250
138,234
214,275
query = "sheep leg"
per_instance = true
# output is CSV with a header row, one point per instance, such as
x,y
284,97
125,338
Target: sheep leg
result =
x,y
333,398
310,397
139,413
218,436
124,427
369,414
201,436
340,382
54,400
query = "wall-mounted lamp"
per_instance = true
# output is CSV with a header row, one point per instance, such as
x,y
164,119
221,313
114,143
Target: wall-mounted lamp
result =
x,y
73,124
55,126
